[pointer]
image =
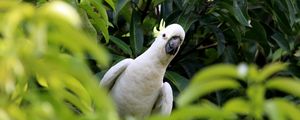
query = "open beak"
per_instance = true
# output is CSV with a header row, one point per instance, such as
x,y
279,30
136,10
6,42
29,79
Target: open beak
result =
x,y
173,45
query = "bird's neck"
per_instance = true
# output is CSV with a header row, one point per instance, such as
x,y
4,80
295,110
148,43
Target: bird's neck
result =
x,y
156,54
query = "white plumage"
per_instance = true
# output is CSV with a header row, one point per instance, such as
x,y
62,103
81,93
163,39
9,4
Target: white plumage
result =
x,y
136,85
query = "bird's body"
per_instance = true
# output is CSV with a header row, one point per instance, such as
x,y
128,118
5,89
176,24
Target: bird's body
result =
x,y
136,86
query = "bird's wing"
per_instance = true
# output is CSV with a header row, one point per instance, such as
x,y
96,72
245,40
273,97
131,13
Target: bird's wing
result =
x,y
114,72
164,102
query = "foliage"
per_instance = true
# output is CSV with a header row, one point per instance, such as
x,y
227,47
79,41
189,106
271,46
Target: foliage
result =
x,y
252,83
219,31
231,31
44,74
45,53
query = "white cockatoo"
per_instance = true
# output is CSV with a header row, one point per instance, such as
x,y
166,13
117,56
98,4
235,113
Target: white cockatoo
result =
x,y
136,85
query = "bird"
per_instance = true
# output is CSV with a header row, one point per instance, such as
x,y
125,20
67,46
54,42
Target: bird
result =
x,y
136,85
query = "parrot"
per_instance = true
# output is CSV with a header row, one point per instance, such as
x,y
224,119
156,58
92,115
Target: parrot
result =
x,y
136,86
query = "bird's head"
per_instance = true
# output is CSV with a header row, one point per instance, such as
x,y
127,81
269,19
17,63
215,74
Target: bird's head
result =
x,y
171,37
167,43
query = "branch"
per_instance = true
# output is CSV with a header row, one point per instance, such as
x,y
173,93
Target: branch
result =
x,y
201,47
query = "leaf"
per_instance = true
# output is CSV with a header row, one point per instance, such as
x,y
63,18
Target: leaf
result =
x,y
77,43
41,81
99,19
87,25
216,71
297,53
211,56
292,11
281,18
122,45
258,34
200,111
230,55
77,88
238,14
166,9
186,21
256,94
237,105
198,89
157,2
136,34
287,85
111,3
269,70
179,81
281,109
220,38
102,21
278,54
119,6
69,97
273,111
57,88
281,41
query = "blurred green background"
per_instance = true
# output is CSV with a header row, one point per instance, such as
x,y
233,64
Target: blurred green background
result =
x,y
240,59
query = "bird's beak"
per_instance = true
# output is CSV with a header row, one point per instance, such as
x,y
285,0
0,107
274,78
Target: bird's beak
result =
x,y
173,45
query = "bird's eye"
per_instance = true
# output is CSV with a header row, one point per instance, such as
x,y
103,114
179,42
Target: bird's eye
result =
x,y
164,35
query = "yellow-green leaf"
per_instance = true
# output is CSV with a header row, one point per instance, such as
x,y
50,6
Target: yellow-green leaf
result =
x,y
237,105
287,85
198,89
216,71
269,70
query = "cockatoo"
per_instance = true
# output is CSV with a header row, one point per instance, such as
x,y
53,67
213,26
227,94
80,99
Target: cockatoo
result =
x,y
136,85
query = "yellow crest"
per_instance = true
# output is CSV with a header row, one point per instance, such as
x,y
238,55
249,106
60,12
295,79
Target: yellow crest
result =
x,y
162,26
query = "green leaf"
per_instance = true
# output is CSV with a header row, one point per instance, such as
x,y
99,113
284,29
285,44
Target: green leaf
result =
x,y
99,19
278,54
87,25
269,70
287,85
102,21
122,45
280,14
119,6
199,89
220,38
292,11
212,56
280,109
69,97
281,41
297,53
237,105
136,34
256,94
216,71
200,111
77,88
157,2
258,34
273,111
252,73
79,43
186,21
179,81
238,14
111,3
